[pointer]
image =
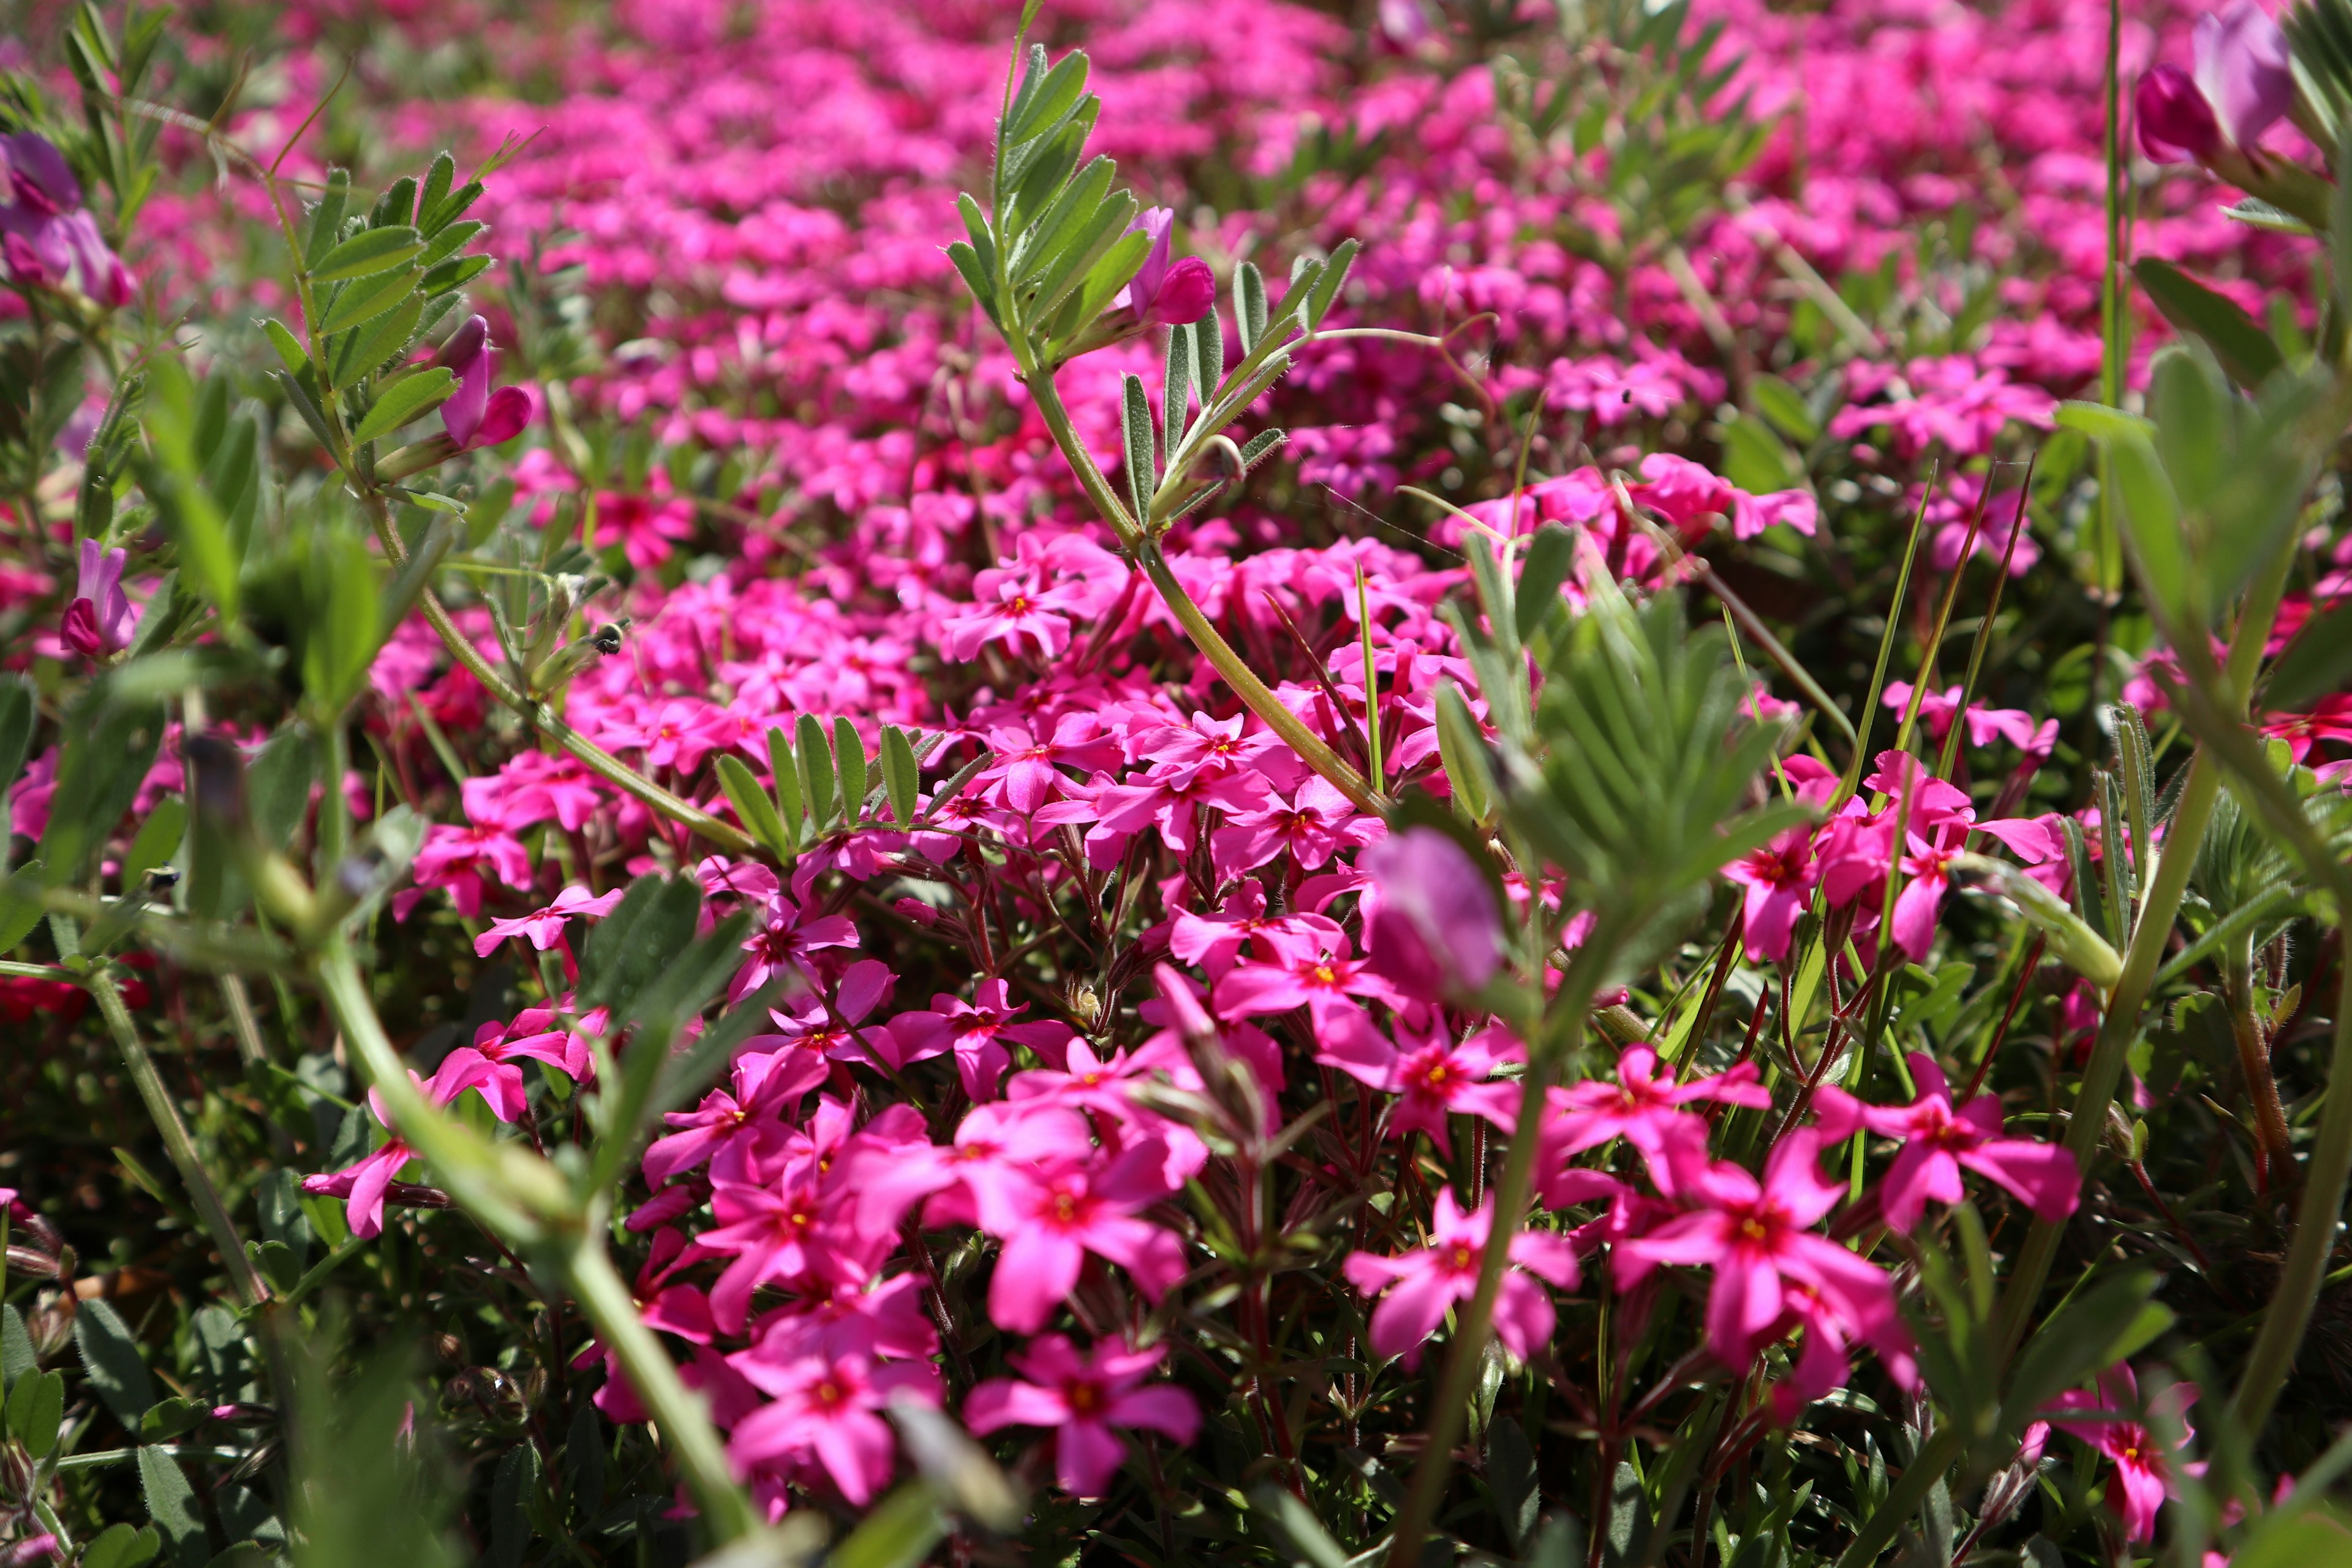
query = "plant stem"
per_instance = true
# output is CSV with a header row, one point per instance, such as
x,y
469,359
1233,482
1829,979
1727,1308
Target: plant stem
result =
x,y
243,1278
2117,1030
522,1200
1563,1030
2278,1148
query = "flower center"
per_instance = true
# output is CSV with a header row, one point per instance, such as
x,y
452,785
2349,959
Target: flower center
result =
x,y
1084,1398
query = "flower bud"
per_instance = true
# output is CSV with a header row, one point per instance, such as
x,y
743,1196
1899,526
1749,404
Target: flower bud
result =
x,y
2176,123
1435,929
2242,70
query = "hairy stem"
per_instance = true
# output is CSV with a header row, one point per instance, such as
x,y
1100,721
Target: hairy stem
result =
x,y
1563,1029
243,1278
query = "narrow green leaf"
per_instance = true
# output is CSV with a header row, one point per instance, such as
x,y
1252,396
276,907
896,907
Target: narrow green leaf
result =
x,y
290,352
1053,97
1142,460
365,299
811,760
1462,752
901,775
790,809
367,252
1325,287
2244,349
112,1358
1785,408
1249,304
158,840
849,762
409,398
752,806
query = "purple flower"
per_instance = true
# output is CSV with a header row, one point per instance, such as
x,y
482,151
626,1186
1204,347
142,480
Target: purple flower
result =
x,y
2242,71
99,621
1435,927
1162,293
48,236
2240,87
475,416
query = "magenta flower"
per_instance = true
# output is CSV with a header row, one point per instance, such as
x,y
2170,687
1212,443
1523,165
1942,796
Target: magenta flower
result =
x,y
2243,70
49,237
1434,927
765,1084
825,1413
1433,1079
474,415
1164,294
1055,1219
100,620
361,1184
2113,1422
1316,823
1939,1140
787,1231
1321,985
785,942
978,1180
976,1031
1644,1106
1416,1288
492,1063
1779,880
1083,1395
544,927
1758,1237
1217,942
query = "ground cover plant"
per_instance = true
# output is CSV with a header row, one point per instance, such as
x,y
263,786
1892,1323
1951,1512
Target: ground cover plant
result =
x,y
1559,783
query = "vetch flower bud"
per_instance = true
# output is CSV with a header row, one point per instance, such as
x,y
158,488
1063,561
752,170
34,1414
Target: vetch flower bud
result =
x,y
1437,929
99,621
2176,123
1164,293
2242,70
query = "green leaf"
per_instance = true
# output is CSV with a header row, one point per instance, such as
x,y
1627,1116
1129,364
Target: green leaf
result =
x,y
108,747
967,264
208,557
629,949
344,633
158,841
171,1505
1462,752
902,776
1300,1529
2099,1326
16,1353
1143,459
2245,350
1756,459
1785,408
327,218
450,241
1052,98
1549,555
437,180
2317,662
290,352
1326,287
2150,510
112,1358
367,252
18,715
1176,387
37,1405
1249,304
121,1546
790,811
167,1418
449,208
361,353
365,299
454,274
411,397
811,760
511,1495
1511,1471
752,806
897,1533
1107,277
849,761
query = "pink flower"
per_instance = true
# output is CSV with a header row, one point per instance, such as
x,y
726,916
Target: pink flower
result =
x,y
976,1031
1644,1106
1768,1263
100,620
474,415
1314,824
1083,1395
1321,985
1434,1078
1417,1287
1435,927
544,927
1939,1140
1054,1219
1779,880
765,1084
492,1063
361,1184
823,1413
1163,294
2112,1422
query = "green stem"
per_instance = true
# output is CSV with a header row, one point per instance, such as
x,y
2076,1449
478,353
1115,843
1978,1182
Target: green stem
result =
x,y
528,1205
1237,673
242,1276
2117,1029
1564,1028
2315,1221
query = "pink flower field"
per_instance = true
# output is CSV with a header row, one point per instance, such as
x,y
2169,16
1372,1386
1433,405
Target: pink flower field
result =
x,y
1492,781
